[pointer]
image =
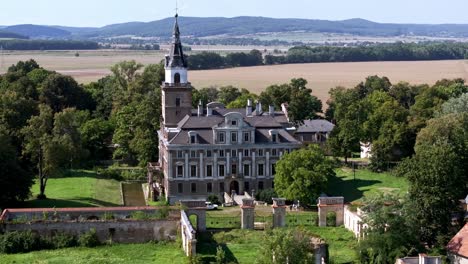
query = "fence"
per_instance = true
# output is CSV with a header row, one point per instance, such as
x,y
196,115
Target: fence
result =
x,y
214,222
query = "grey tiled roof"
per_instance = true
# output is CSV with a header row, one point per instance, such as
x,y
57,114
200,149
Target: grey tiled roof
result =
x,y
317,125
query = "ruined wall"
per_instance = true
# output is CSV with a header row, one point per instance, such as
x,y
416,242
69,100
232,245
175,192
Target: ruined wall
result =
x,y
125,231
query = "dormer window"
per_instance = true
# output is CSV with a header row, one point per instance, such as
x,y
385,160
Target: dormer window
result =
x,y
177,102
274,136
193,138
233,122
246,137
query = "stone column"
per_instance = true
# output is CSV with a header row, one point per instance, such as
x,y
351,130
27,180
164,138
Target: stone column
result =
x,y
192,247
279,212
248,213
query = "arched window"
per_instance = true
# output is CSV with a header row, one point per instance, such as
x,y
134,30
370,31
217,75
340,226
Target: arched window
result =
x,y
177,78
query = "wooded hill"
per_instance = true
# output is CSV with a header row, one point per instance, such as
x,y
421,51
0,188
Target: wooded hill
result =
x,y
237,26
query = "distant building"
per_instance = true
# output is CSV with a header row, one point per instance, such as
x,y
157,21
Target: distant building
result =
x,y
314,131
421,259
457,248
213,150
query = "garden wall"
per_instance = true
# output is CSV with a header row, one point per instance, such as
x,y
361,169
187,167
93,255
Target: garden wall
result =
x,y
122,231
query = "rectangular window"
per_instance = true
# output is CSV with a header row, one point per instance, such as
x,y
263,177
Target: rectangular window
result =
x,y
221,153
234,153
193,171
233,122
209,171
246,152
221,136
246,170
177,102
273,137
246,137
247,186
221,187
209,187
180,188
194,187
208,153
234,137
261,171
221,170
193,154
260,152
180,171
274,152
273,169
180,154
193,139
260,185
234,168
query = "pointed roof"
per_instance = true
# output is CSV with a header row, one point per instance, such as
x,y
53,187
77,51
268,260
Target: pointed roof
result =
x,y
176,57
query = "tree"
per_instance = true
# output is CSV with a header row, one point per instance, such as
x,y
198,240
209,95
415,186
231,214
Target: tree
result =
x,y
455,105
15,181
286,246
60,92
38,145
96,135
228,94
302,104
303,174
389,233
438,176
347,111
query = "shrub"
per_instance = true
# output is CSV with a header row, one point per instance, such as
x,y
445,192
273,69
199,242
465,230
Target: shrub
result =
x,y
220,255
20,242
89,239
266,195
62,240
110,174
214,199
162,213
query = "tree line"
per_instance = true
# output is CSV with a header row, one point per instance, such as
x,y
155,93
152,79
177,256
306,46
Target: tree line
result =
x,y
307,54
17,44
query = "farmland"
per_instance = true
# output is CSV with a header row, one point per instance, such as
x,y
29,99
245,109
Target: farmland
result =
x,y
92,65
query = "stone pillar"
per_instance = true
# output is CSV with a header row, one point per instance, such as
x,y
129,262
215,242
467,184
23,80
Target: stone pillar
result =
x,y
279,212
192,250
340,215
322,216
248,213
201,220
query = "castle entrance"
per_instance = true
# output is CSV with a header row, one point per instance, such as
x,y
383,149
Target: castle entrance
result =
x,y
234,186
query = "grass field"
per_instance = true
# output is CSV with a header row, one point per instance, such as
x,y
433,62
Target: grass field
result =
x,y
80,189
366,183
133,253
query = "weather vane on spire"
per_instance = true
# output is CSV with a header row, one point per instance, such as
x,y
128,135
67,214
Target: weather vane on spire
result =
x,y
176,8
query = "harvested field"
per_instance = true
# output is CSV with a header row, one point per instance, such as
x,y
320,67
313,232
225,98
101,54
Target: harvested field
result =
x,y
92,65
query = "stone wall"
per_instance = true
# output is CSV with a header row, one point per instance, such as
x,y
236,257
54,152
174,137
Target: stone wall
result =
x,y
353,222
123,231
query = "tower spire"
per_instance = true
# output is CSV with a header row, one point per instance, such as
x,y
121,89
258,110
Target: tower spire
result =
x,y
176,57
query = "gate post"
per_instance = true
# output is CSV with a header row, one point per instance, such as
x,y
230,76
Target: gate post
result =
x,y
248,213
279,212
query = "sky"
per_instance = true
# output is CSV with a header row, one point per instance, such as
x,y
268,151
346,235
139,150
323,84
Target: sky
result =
x,y
104,12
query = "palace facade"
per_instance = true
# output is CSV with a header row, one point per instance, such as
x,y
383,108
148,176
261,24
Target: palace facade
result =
x,y
214,150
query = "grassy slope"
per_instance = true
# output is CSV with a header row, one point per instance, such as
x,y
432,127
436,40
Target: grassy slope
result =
x,y
133,253
82,189
366,183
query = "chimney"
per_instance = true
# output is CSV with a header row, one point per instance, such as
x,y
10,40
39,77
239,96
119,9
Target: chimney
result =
x,y
271,110
209,111
249,107
200,108
259,108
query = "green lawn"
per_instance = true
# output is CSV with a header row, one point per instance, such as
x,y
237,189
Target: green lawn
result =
x,y
366,183
80,189
132,253
242,246
341,242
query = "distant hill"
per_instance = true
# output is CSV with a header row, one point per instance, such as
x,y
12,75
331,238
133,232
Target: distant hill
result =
x,y
236,26
10,35
35,31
